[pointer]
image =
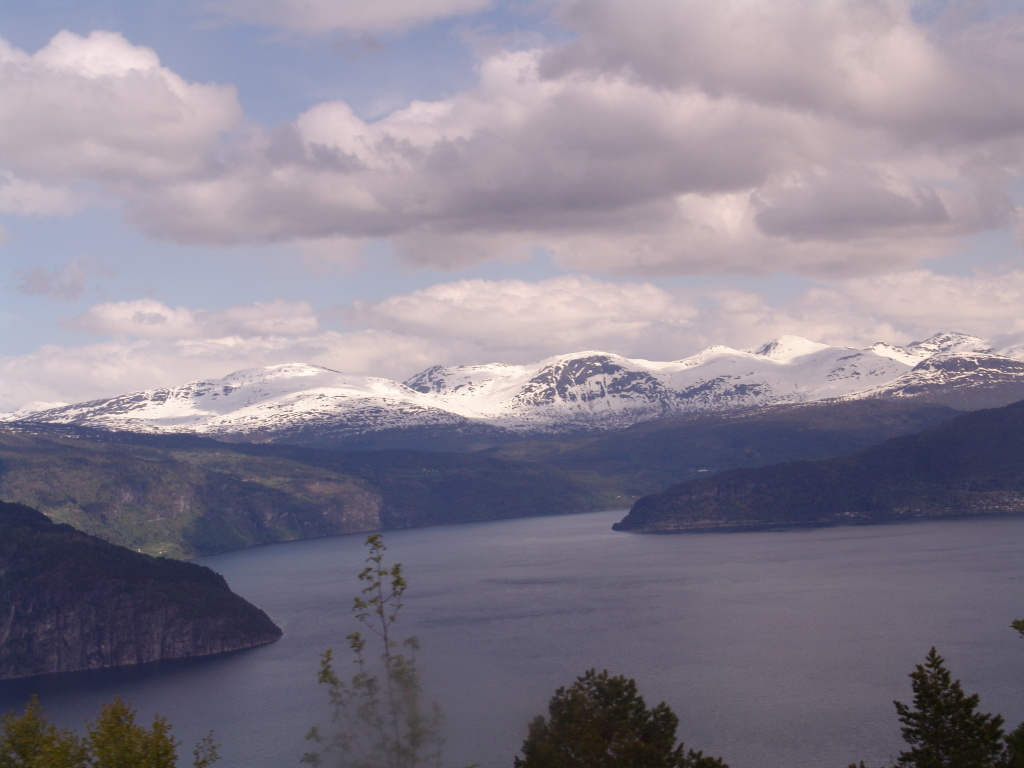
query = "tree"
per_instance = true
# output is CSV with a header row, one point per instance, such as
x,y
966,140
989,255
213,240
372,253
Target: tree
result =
x,y
1015,748
32,741
379,716
943,728
601,721
113,741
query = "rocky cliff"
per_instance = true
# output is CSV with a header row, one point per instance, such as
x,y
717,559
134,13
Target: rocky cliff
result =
x,y
69,601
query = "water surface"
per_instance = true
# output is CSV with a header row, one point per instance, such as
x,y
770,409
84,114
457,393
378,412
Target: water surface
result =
x,y
775,648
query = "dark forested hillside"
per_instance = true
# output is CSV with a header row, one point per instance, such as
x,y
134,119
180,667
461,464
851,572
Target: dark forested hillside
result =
x,y
973,464
72,601
648,457
183,496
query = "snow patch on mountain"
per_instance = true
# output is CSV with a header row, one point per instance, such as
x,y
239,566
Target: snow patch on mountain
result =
x,y
785,349
580,391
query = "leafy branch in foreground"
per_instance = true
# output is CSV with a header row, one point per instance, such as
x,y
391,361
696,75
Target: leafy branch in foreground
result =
x,y
378,715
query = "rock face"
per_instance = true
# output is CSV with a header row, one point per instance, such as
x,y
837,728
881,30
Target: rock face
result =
x,y
69,601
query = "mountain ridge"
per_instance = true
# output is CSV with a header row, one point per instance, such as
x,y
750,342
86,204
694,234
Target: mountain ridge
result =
x,y
590,391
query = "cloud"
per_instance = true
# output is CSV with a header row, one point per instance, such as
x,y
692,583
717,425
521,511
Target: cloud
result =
x,y
868,63
513,317
65,283
478,321
20,197
314,17
101,109
151,319
674,138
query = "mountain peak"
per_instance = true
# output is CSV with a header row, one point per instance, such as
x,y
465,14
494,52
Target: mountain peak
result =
x,y
787,348
950,341
585,390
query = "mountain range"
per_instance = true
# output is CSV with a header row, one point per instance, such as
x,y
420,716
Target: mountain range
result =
x,y
466,407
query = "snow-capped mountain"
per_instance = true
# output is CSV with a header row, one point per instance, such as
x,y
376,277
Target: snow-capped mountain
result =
x,y
583,391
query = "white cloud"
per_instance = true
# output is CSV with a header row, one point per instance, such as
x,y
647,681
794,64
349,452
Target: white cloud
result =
x,y
21,197
710,168
322,16
478,321
151,319
830,139
866,62
101,109
513,317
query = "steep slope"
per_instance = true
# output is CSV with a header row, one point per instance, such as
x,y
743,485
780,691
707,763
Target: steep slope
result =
x,y
71,602
966,381
973,464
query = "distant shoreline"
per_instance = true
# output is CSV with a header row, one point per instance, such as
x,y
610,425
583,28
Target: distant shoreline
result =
x,y
795,525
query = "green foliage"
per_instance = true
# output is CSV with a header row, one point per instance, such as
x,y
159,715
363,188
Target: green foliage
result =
x,y
378,715
601,721
180,497
943,728
114,740
1015,748
32,741
1019,626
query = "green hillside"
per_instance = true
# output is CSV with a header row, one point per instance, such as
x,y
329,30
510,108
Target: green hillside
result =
x,y
183,497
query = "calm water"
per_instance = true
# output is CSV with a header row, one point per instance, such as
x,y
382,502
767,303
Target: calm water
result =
x,y
781,648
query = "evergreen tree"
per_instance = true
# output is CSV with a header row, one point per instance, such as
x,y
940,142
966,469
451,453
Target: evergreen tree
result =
x,y
601,721
1015,748
943,728
379,716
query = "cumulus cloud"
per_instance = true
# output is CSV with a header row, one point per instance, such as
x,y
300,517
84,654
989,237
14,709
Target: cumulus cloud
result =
x,y
477,321
869,62
21,197
678,137
151,319
842,154
101,109
322,16
514,317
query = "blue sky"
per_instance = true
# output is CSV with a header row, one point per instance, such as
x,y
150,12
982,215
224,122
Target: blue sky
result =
x,y
191,188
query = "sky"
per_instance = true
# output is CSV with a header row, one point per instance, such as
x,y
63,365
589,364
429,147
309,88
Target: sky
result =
x,y
196,187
